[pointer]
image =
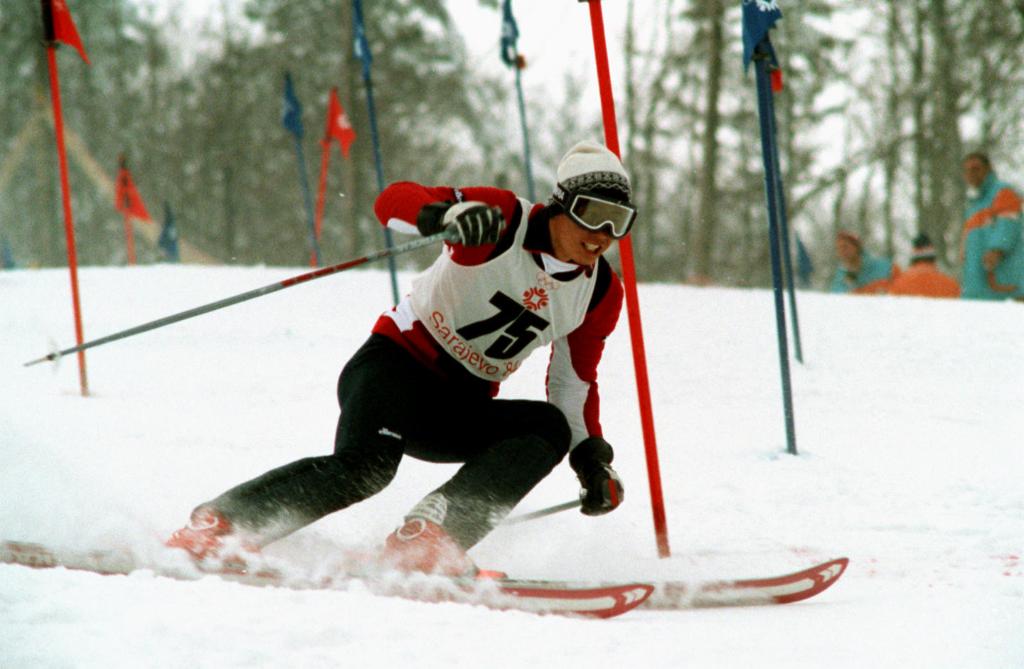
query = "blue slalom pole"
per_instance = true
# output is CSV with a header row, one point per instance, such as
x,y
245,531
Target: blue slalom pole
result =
x,y
758,18
292,121
6,254
362,51
771,189
527,162
787,253
168,241
308,199
510,55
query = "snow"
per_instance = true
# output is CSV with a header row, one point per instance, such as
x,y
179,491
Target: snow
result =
x,y
908,421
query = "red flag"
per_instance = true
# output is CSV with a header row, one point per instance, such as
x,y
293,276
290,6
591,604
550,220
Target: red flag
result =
x,y
127,199
64,27
338,125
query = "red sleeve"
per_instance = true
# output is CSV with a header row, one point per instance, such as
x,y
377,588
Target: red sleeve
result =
x,y
402,201
505,200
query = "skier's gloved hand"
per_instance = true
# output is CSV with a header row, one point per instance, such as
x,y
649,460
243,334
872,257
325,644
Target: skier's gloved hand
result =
x,y
430,219
472,223
601,489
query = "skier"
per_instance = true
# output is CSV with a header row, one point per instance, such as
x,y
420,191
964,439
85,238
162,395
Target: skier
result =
x,y
519,276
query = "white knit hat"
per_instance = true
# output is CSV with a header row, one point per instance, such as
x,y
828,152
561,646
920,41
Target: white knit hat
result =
x,y
589,166
923,249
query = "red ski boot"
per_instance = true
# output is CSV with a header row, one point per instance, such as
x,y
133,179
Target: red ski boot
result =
x,y
204,534
424,546
209,537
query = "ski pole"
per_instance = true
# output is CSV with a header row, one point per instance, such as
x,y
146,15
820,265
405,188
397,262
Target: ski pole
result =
x,y
252,294
533,515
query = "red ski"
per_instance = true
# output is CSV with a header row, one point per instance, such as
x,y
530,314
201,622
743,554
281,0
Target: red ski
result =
x,y
783,589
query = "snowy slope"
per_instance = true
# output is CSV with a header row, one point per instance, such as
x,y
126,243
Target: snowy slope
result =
x,y
909,422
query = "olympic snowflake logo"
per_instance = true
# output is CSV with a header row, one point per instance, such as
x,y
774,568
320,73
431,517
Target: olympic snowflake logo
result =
x,y
535,299
546,282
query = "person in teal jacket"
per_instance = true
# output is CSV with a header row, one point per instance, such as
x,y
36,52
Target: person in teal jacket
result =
x,y
990,246
859,271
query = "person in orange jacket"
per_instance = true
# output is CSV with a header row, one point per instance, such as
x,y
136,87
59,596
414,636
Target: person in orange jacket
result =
x,y
923,277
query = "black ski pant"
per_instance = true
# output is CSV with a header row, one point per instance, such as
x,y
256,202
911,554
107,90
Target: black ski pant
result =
x,y
392,405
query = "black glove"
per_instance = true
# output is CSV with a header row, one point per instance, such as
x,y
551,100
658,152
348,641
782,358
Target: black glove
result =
x,y
601,487
474,223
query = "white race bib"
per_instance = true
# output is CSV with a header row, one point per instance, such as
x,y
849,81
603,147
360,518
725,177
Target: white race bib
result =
x,y
490,317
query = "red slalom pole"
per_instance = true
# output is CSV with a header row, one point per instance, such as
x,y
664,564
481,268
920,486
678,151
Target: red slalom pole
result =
x,y
325,161
611,139
69,226
129,240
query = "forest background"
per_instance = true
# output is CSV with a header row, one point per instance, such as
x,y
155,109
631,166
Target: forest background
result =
x,y
881,101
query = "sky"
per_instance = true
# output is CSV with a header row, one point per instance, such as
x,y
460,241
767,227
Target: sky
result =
x,y
908,426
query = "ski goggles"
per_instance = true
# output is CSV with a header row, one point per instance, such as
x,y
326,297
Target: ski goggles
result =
x,y
600,214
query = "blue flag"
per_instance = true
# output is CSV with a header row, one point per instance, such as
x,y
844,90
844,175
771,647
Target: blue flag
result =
x,y
360,47
292,118
168,241
759,16
509,35
804,266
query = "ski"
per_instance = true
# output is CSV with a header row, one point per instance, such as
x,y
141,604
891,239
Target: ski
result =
x,y
600,600
603,600
784,589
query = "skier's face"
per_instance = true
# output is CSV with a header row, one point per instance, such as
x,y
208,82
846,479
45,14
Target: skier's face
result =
x,y
574,243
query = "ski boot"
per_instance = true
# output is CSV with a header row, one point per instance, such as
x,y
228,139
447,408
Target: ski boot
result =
x,y
209,540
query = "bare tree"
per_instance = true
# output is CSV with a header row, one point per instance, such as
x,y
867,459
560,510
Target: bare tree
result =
x,y
713,14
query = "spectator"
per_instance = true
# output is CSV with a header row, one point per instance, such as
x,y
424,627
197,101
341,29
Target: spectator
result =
x,y
923,277
990,245
859,271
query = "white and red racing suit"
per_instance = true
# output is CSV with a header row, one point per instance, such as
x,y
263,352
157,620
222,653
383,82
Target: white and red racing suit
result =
x,y
488,307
